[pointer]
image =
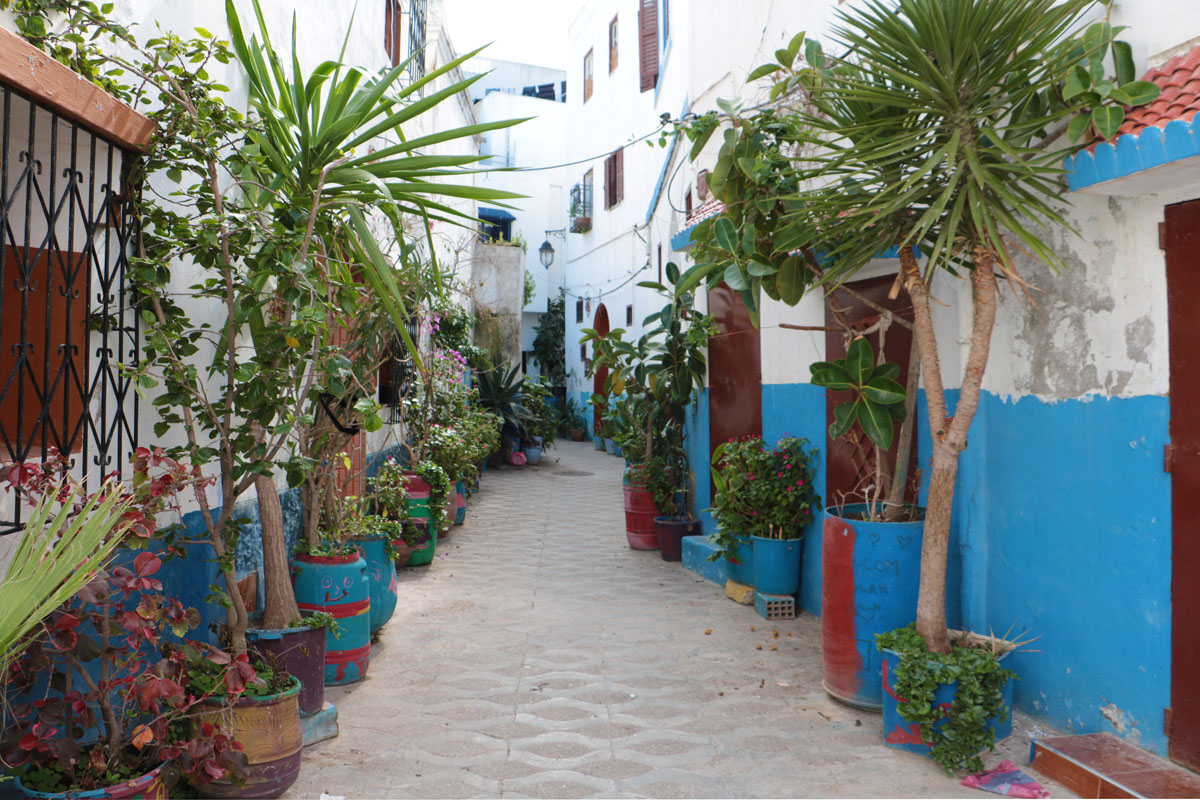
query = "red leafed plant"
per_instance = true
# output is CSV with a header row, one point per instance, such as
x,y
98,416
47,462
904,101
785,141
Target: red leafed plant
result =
x,y
97,697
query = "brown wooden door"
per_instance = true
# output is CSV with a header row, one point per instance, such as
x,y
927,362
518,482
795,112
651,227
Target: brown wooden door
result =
x,y
1183,299
850,460
734,370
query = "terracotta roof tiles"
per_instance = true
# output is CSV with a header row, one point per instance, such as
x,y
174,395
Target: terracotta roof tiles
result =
x,y
1179,80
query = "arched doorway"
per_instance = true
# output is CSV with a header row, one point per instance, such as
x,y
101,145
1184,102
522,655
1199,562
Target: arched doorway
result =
x,y
600,325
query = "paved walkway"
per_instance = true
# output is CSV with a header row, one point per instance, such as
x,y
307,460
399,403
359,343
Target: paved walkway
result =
x,y
540,657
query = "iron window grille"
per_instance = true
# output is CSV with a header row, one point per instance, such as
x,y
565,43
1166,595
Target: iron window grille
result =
x,y
68,325
581,199
416,38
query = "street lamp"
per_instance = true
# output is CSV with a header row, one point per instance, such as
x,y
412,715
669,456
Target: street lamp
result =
x,y
546,254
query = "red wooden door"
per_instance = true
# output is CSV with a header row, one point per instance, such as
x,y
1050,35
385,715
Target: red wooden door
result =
x,y
601,326
734,370
850,460
1183,298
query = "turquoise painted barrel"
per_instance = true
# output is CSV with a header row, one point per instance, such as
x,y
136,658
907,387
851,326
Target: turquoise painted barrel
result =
x,y
381,579
460,503
870,573
338,585
777,565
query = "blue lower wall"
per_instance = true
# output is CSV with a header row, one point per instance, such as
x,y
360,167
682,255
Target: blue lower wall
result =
x,y
798,409
1063,514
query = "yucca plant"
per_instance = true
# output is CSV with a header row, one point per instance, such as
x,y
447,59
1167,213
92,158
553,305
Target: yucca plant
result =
x,y
66,542
312,171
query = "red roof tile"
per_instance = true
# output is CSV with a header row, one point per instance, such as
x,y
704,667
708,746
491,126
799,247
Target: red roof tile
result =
x,y
709,208
1179,80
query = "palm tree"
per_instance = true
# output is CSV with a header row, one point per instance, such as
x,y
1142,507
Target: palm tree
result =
x,y
936,128
318,179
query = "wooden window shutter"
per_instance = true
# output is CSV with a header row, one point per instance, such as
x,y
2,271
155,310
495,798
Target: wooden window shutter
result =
x,y
608,182
648,43
619,175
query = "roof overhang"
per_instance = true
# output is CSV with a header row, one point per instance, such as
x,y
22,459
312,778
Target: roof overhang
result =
x,y
1149,162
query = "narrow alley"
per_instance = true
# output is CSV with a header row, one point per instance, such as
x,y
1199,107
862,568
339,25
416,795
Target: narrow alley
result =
x,y
539,656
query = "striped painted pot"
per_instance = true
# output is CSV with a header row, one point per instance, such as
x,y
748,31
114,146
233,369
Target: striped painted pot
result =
x,y
268,729
339,586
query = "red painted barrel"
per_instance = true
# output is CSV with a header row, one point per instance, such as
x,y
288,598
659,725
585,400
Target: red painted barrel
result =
x,y
640,512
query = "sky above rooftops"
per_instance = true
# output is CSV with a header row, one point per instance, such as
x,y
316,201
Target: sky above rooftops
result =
x,y
528,31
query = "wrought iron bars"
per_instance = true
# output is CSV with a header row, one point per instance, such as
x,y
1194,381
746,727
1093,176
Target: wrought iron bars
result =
x,y
67,322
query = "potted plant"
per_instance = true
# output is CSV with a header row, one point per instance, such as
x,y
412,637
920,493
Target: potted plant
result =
x,y
373,541
439,490
330,576
91,706
258,703
675,519
882,529
763,502
501,392
948,706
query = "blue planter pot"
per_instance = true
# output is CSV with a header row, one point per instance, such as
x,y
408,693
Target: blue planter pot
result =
x,y
610,446
598,442
381,580
904,735
338,585
533,456
777,565
460,502
741,569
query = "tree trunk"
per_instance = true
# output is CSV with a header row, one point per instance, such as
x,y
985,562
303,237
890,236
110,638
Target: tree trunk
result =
x,y
949,434
279,608
895,500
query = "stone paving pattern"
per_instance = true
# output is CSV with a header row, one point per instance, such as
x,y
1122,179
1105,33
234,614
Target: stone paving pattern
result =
x,y
539,656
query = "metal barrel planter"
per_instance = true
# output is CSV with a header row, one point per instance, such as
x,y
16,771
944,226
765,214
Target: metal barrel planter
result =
x,y
870,574
904,735
301,651
269,731
670,536
423,555
777,565
460,503
150,786
598,442
339,586
381,580
640,512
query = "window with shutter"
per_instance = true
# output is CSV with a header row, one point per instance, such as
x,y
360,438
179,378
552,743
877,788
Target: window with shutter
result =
x,y
629,314
392,39
579,311
612,45
587,76
614,179
619,175
702,184
648,43
687,203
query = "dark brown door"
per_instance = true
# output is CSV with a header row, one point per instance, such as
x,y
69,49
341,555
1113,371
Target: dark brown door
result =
x,y
734,370
1183,298
600,326
850,460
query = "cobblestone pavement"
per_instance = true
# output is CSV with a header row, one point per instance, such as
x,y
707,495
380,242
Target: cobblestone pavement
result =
x,y
539,656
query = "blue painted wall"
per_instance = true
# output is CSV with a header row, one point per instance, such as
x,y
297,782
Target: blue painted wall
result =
x,y
1063,519
798,409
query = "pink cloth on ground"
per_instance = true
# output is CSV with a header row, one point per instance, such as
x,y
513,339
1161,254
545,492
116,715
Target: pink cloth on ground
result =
x,y
1006,779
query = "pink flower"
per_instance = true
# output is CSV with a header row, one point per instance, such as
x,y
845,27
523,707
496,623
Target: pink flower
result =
x,y
754,513
752,477
787,466
778,474
790,488
799,483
